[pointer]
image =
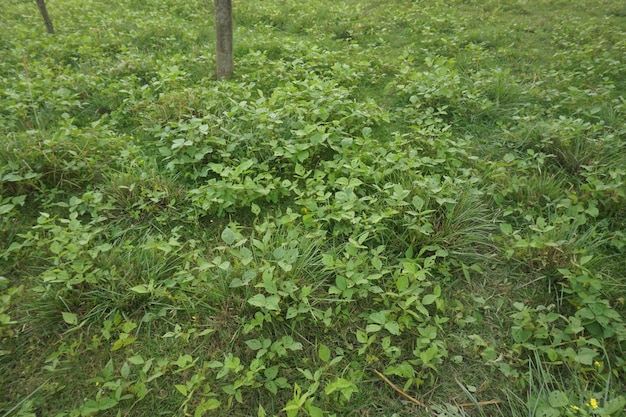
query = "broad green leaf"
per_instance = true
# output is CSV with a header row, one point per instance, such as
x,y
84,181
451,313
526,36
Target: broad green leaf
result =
x,y
136,360
614,406
429,299
377,263
56,247
378,317
315,411
429,354
257,300
558,399
228,236
207,405
392,327
271,372
373,328
272,302
125,370
70,318
402,282
106,403
324,353
5,208
547,411
429,332
506,228
586,356
140,289
254,344
120,343
418,203
520,335
342,385
271,387
181,388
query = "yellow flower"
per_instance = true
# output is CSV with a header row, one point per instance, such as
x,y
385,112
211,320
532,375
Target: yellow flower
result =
x,y
574,407
593,403
597,364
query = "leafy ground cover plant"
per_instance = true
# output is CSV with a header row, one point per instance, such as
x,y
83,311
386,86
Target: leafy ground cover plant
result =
x,y
391,209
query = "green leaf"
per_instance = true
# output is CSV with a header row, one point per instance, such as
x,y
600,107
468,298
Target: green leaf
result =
x,y
418,203
393,327
547,411
56,247
271,387
181,388
378,317
520,335
254,344
586,356
120,343
258,300
615,405
373,328
315,411
402,283
429,354
5,208
377,263
585,259
592,211
271,372
228,236
140,289
429,332
272,302
136,360
558,399
70,318
125,370
89,408
183,360
506,228
342,385
207,405
324,353
106,403
429,299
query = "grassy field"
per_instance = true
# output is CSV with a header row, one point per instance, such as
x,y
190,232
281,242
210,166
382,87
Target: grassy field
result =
x,y
394,208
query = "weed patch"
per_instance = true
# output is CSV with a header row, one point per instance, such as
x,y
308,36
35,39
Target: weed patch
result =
x,y
392,208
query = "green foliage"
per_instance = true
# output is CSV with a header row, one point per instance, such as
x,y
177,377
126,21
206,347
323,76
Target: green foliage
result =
x,y
432,191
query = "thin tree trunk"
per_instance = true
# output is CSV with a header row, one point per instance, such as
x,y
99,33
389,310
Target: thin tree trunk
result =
x,y
44,13
223,38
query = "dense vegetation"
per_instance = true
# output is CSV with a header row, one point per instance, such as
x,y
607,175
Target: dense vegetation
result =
x,y
393,208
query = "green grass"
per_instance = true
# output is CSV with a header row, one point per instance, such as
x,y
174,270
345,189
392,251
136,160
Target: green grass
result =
x,y
434,191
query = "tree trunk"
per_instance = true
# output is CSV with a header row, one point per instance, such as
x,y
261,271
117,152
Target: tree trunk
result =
x,y
223,38
44,13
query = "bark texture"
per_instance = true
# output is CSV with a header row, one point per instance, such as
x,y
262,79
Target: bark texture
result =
x,y
224,61
44,13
